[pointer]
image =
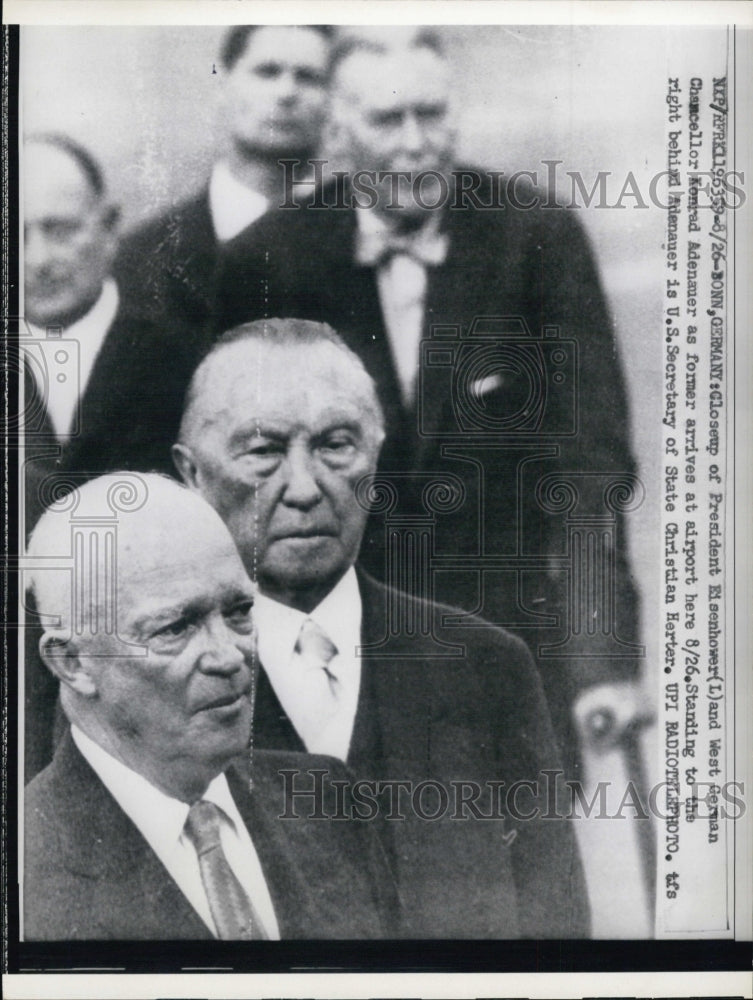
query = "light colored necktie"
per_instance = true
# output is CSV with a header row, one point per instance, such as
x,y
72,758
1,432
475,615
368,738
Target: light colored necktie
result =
x,y
401,260
315,651
232,911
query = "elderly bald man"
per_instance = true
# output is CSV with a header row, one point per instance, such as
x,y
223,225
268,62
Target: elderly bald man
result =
x,y
139,828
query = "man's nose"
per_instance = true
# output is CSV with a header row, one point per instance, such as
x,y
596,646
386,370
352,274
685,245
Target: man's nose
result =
x,y
287,88
225,649
412,134
301,486
36,248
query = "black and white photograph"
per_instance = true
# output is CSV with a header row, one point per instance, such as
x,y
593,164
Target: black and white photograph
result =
x,y
377,430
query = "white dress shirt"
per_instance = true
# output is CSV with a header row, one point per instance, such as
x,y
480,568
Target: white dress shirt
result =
x,y
278,628
69,360
232,204
160,819
401,282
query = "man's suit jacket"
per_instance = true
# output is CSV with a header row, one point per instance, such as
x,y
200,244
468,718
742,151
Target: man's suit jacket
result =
x,y
535,268
166,267
90,875
477,716
129,413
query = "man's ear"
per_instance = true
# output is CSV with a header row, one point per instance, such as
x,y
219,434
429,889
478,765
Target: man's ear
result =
x,y
111,218
110,226
335,136
61,656
185,463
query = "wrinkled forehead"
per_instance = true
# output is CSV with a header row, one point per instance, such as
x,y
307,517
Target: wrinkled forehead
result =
x,y
381,81
303,381
160,537
202,571
181,537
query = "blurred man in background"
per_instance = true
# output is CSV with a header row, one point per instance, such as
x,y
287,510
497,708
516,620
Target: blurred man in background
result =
x,y
86,351
273,106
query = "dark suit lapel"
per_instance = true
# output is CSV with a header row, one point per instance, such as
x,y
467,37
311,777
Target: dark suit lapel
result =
x,y
393,721
295,900
272,727
191,252
131,892
116,359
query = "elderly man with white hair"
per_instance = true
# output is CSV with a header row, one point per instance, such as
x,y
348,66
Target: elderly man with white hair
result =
x,y
140,828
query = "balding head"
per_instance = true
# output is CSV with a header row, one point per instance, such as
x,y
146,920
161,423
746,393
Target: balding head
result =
x,y
70,230
151,636
237,363
164,518
282,422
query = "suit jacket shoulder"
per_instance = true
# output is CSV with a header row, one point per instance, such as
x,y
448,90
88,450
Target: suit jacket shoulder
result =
x,y
90,875
166,267
88,872
465,720
330,877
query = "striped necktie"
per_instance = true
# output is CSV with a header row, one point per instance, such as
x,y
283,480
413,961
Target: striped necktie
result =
x,y
232,911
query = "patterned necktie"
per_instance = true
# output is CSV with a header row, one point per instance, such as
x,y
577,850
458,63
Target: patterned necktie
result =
x,y
232,910
316,650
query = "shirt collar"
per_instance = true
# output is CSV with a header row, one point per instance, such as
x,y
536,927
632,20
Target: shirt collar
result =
x,y
339,614
372,222
234,206
377,242
158,816
91,329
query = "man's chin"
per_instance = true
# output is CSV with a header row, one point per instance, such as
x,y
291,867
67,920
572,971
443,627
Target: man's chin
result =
x,y
294,554
309,573
277,147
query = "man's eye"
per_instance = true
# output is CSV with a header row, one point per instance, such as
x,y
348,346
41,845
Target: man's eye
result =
x,y
60,231
173,630
430,113
309,76
268,71
337,444
387,119
240,616
264,449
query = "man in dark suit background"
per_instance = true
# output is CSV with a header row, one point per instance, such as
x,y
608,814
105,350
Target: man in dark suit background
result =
x,y
274,80
281,433
492,348
135,830
88,356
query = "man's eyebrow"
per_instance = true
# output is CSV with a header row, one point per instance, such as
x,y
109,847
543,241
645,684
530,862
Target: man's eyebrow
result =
x,y
191,609
255,429
162,613
332,426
